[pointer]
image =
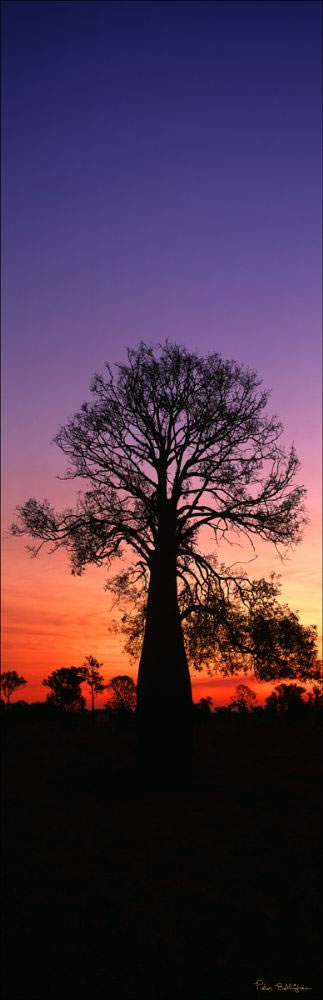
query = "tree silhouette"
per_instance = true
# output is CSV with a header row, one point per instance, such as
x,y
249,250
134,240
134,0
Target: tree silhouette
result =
x,y
203,706
286,698
93,678
244,698
65,685
171,443
315,697
124,694
10,682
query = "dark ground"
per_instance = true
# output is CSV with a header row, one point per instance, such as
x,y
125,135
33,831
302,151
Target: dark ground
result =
x,y
118,890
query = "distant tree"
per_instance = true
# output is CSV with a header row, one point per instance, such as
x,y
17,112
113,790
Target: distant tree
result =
x,y
244,698
171,443
65,685
286,698
315,697
203,706
124,694
10,682
93,678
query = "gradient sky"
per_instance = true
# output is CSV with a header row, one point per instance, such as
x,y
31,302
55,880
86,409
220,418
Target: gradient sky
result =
x,y
161,178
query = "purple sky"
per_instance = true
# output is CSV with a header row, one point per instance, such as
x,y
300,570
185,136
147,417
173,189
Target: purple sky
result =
x,y
161,177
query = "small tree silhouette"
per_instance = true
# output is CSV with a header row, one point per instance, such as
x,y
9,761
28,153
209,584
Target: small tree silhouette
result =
x,y
203,706
244,699
93,678
315,698
286,698
65,685
10,682
124,694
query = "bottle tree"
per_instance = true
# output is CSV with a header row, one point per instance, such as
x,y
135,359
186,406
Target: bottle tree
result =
x,y
170,443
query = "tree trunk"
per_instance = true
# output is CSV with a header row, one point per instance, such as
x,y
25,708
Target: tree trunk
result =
x,y
164,709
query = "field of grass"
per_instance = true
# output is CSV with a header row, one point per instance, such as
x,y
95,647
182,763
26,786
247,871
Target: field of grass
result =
x,y
116,888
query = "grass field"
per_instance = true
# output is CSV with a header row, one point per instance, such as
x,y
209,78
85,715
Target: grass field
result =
x,y
123,890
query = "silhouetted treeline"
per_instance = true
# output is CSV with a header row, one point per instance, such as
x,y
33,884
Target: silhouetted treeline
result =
x,y
285,698
287,703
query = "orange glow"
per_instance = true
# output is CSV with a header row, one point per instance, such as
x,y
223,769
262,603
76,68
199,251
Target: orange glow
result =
x,y
52,619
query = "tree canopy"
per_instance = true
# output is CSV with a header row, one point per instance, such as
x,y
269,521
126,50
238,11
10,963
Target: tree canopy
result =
x,y
171,426
235,624
93,678
10,682
286,698
65,686
244,698
123,691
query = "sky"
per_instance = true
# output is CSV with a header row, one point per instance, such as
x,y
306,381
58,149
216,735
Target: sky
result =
x,y
161,177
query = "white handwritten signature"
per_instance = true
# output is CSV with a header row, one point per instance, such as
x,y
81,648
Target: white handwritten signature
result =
x,y
260,985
